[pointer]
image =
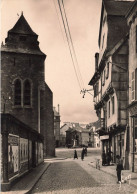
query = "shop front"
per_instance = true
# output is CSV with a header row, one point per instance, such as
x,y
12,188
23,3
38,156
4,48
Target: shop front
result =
x,y
18,155
133,135
118,142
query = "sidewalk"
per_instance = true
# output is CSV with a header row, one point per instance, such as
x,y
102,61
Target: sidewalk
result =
x,y
26,183
112,171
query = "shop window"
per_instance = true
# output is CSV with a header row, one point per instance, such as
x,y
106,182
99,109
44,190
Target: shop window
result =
x,y
27,93
113,105
135,145
17,92
135,139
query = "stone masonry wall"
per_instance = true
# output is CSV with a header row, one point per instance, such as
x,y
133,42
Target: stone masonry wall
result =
x,y
22,66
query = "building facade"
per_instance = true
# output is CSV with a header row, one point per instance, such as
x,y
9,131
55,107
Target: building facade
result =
x,y
110,80
63,130
132,101
25,95
57,126
77,136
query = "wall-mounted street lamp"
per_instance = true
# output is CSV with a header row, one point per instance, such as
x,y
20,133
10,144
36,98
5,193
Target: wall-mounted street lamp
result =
x,y
84,92
4,103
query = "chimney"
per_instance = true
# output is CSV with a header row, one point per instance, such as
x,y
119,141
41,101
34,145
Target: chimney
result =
x,y
58,108
96,61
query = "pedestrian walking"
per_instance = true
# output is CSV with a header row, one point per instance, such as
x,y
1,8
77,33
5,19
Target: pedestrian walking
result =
x,y
75,154
82,154
119,168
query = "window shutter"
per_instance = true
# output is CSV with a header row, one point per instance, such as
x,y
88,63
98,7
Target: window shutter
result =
x,y
107,70
134,85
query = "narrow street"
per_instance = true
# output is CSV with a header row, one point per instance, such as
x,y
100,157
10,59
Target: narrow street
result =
x,y
76,176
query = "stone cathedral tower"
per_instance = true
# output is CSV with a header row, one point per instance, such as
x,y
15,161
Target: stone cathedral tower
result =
x,y
24,93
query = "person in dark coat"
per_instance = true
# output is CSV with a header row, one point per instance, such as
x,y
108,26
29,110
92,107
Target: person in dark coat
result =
x,y
103,158
75,154
85,151
119,168
82,154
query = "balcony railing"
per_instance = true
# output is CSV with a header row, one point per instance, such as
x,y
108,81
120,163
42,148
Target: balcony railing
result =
x,y
100,124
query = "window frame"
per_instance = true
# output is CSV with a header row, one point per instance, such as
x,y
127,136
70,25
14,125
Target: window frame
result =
x,y
113,105
107,70
27,105
134,85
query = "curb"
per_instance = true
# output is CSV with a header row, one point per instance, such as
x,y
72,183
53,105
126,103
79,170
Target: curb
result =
x,y
49,159
37,179
132,184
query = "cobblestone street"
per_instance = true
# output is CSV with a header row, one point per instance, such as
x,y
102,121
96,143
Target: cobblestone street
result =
x,y
76,176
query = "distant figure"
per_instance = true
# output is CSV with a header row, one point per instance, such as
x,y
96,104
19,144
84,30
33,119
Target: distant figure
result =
x,y
82,154
75,154
85,151
119,168
103,158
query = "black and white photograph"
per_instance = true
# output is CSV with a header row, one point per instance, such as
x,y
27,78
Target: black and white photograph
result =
x,y
68,96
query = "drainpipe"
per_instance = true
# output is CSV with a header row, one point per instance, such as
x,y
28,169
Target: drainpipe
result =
x,y
133,144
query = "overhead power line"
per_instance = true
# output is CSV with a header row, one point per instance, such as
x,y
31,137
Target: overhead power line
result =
x,y
70,44
58,20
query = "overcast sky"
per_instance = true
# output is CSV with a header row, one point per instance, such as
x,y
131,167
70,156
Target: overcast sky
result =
x,y
83,17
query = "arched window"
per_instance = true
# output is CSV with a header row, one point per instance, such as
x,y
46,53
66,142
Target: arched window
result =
x,y
17,92
27,93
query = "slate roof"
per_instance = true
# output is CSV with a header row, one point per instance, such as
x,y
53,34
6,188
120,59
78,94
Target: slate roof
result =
x,y
69,129
22,27
117,8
